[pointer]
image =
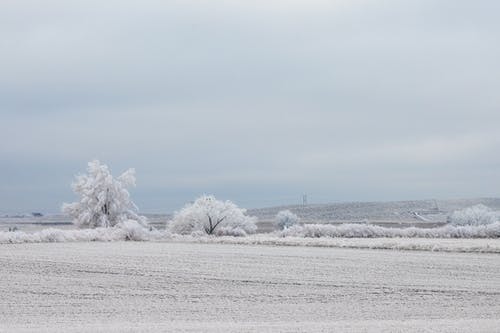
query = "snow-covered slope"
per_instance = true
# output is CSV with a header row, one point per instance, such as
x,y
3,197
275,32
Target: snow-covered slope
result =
x,y
424,211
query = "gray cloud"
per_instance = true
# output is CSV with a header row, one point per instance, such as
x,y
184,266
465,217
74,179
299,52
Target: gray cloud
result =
x,y
256,101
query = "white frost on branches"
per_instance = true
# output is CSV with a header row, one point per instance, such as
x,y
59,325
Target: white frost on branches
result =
x,y
104,200
475,215
207,215
285,219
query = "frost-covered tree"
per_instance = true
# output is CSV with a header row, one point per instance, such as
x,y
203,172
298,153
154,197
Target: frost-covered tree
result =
x,y
213,217
285,219
475,215
104,200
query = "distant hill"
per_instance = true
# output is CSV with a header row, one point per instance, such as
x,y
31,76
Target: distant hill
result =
x,y
433,211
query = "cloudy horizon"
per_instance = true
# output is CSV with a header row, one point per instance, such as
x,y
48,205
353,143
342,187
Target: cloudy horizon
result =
x,y
257,102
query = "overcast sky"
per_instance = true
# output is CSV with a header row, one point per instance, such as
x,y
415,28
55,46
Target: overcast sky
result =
x,y
255,101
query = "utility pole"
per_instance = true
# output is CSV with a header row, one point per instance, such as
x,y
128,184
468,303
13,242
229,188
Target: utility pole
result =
x,y
304,199
436,204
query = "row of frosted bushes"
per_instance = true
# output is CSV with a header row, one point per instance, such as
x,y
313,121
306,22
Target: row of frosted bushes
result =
x,y
131,230
374,231
128,230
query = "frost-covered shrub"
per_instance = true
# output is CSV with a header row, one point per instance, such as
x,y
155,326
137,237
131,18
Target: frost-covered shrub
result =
x,y
285,219
475,215
136,231
104,200
212,217
231,231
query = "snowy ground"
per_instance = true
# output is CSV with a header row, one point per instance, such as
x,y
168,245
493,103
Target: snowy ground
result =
x,y
168,286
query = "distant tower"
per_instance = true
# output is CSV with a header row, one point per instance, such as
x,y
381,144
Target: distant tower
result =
x,y
304,199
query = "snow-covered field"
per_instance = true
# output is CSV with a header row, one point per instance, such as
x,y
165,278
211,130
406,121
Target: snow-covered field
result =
x,y
178,286
323,275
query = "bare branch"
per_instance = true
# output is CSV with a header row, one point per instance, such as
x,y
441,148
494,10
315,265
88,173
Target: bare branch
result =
x,y
218,222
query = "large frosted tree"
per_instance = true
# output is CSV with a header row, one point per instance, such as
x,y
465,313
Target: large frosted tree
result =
x,y
213,217
104,200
